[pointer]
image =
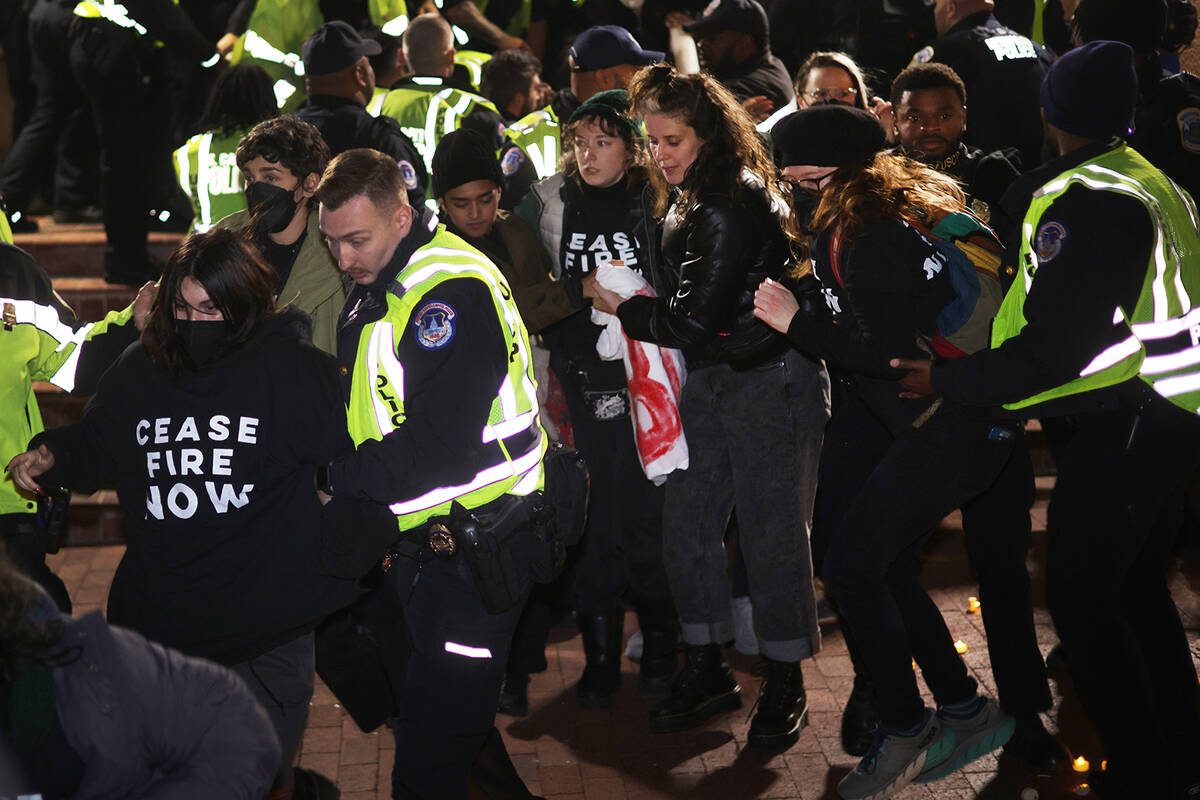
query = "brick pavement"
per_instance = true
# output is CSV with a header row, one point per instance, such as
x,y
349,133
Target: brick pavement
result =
x,y
566,753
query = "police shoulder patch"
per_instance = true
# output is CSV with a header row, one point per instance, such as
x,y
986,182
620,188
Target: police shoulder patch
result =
x,y
513,158
710,8
409,174
435,325
922,56
1049,239
1189,129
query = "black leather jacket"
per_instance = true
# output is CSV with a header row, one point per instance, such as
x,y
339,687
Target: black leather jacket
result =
x,y
714,255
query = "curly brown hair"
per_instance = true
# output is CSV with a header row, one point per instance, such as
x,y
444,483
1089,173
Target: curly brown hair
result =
x,y
636,170
890,186
733,159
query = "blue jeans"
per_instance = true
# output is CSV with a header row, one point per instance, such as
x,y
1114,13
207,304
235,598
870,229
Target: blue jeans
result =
x,y
754,442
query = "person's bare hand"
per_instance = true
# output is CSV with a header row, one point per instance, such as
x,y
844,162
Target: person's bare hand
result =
x,y
887,117
917,382
758,107
589,285
507,42
141,303
225,44
604,299
677,19
775,305
26,467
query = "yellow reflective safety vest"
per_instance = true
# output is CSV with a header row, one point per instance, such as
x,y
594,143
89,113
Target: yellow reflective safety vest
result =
x,y
512,436
1159,341
472,61
117,14
390,15
538,134
273,40
206,166
518,23
376,104
40,340
427,109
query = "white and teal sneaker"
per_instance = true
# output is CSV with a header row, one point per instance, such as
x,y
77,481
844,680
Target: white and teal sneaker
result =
x,y
894,760
974,737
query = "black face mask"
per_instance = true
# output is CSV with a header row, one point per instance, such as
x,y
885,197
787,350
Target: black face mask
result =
x,y
805,203
272,207
202,338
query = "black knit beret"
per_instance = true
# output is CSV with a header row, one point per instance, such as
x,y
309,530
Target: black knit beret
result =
x,y
827,135
463,156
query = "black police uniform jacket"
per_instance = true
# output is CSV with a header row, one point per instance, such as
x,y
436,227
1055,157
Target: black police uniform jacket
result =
x,y
715,253
1003,72
345,124
215,469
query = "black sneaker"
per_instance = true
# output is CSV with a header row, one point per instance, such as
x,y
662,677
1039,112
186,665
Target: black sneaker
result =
x,y
704,687
859,719
782,707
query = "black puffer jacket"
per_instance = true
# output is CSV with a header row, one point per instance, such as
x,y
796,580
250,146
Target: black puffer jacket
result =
x,y
715,253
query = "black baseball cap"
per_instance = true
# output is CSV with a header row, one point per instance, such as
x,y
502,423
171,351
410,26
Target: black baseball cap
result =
x,y
607,46
740,16
335,46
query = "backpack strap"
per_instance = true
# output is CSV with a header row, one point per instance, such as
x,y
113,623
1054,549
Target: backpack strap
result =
x,y
836,240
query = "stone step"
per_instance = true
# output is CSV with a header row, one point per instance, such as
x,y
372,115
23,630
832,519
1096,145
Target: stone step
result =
x,y
92,298
77,250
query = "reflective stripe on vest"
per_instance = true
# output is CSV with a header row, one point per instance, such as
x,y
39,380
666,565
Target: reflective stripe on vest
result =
x,y
207,169
111,11
1160,341
538,135
512,438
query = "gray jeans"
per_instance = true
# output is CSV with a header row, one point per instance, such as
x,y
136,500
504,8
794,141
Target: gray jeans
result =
x,y
754,442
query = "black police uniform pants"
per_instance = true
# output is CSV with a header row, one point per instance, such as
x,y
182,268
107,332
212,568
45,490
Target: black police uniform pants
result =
x,y
448,701
60,124
1112,523
26,540
870,563
996,533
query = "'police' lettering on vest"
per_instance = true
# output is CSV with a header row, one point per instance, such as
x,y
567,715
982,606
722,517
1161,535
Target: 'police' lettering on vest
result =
x,y
1010,48
187,450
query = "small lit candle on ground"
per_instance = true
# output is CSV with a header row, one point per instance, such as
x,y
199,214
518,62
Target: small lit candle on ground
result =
x,y
960,646
972,605
1080,764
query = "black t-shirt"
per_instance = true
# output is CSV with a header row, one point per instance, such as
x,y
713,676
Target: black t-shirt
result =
x,y
766,76
281,256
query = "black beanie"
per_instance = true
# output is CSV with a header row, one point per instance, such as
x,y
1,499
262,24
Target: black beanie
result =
x,y
611,105
463,156
827,135
1091,91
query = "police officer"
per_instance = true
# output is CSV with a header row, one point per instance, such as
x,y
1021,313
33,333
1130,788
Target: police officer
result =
x,y
601,58
432,102
128,78
733,37
206,164
1001,70
929,103
340,83
439,386
272,38
1166,126
41,340
1099,325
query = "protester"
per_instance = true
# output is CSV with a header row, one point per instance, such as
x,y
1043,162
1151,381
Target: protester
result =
x,y
752,409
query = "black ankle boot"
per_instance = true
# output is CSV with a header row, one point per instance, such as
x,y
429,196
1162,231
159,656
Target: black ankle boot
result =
x,y
1032,744
514,695
859,719
602,646
782,707
660,658
704,687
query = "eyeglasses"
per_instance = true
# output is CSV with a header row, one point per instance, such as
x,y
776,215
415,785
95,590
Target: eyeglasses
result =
x,y
831,94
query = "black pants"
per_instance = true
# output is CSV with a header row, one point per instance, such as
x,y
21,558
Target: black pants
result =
x,y
1113,519
620,555
59,125
448,700
870,563
25,540
282,682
